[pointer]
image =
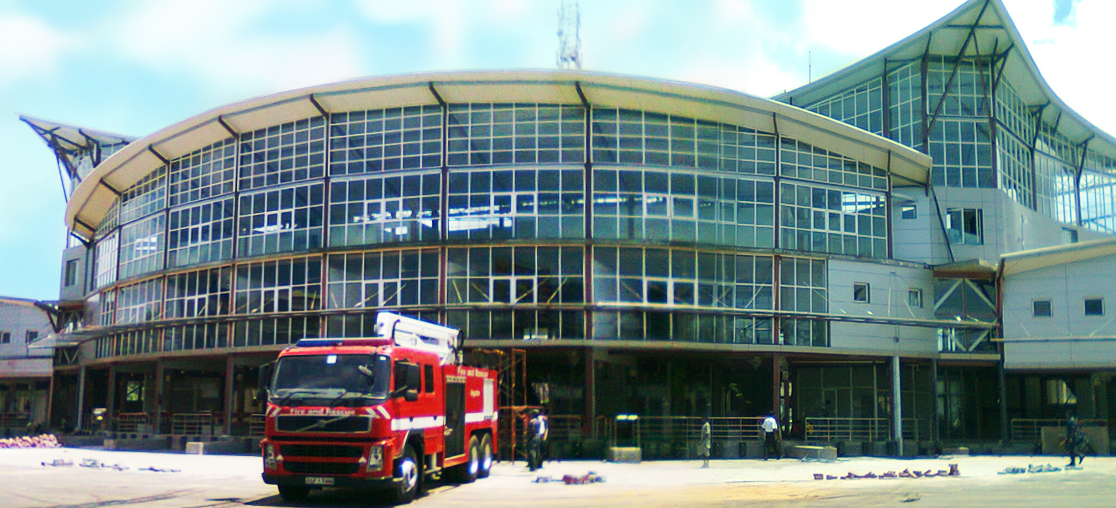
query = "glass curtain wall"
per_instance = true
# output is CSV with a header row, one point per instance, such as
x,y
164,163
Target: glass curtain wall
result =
x,y
370,180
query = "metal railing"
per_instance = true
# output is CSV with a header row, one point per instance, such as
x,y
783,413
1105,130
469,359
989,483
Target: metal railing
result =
x,y
133,423
192,424
688,428
847,429
13,420
1030,429
824,428
257,424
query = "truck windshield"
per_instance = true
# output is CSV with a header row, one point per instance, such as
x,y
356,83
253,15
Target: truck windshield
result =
x,y
331,379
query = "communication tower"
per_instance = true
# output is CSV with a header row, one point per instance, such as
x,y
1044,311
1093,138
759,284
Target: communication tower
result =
x,y
569,35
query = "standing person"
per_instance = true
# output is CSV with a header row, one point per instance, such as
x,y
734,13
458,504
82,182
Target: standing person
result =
x,y
770,444
544,438
534,440
706,443
1072,440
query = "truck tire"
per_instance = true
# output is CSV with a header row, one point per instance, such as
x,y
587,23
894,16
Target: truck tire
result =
x,y
485,457
472,466
293,492
467,472
408,471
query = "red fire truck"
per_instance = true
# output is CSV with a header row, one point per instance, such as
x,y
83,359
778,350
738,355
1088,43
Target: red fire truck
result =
x,y
384,412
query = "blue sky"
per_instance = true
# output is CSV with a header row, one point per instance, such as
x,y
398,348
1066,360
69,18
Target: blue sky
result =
x,y
133,67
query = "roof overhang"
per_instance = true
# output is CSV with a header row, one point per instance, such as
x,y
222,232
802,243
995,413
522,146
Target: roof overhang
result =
x,y
978,27
1024,261
71,137
976,269
94,197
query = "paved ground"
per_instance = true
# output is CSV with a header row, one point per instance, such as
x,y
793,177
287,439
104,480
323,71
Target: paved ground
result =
x,y
224,481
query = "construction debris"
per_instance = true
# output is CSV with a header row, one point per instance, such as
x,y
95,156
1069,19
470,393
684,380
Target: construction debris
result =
x,y
590,477
906,473
59,463
1031,468
96,464
41,441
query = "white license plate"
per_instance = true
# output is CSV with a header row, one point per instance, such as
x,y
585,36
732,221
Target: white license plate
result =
x,y
319,480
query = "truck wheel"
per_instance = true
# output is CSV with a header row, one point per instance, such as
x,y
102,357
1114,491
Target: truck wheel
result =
x,y
293,492
485,457
408,472
472,467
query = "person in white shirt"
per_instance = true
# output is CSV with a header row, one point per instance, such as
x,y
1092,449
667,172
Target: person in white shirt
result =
x,y
770,436
706,443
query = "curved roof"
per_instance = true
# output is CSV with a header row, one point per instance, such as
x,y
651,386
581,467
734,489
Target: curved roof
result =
x,y
978,27
94,197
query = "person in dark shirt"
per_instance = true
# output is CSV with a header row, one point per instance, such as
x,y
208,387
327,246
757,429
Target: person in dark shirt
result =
x,y
1074,440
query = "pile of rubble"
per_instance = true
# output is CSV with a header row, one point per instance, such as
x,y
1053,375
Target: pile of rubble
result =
x,y
906,473
42,441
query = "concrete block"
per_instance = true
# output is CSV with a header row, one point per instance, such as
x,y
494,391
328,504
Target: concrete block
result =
x,y
230,446
812,452
729,449
1052,438
877,448
753,449
195,447
850,448
627,454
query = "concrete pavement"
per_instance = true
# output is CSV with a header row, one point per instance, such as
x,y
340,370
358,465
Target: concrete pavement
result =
x,y
218,481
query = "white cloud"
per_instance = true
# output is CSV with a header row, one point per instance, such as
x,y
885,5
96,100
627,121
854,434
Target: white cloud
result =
x,y
1067,55
227,45
863,27
29,48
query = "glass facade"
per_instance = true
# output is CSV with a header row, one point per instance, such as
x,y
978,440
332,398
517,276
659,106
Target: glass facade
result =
x,y
982,135
861,106
489,217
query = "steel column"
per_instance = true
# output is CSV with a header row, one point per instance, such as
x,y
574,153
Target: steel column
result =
x,y
897,406
157,426
229,392
80,397
110,400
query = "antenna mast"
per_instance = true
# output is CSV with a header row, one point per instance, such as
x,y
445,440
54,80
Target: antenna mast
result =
x,y
569,35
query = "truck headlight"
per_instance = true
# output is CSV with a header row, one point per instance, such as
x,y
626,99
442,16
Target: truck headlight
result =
x,y
270,460
375,458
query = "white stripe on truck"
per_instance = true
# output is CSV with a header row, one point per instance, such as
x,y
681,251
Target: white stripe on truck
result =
x,y
418,422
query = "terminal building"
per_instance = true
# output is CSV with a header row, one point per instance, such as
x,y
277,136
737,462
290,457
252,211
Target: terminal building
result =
x,y
894,252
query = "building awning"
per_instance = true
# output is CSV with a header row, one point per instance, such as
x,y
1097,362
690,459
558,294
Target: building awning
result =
x,y
975,269
26,368
1019,262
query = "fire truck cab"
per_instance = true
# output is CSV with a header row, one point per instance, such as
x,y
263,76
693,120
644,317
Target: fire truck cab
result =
x,y
388,412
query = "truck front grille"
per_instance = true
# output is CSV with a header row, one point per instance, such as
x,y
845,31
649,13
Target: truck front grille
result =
x,y
321,468
333,451
305,423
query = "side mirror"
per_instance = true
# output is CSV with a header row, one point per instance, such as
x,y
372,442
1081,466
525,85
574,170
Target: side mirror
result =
x,y
410,395
264,383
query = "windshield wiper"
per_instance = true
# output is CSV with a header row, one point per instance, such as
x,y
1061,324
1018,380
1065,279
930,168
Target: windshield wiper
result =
x,y
338,398
292,393
322,423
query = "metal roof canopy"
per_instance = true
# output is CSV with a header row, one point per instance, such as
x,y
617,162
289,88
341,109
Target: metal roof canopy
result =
x,y
94,197
977,269
980,27
71,137
1024,261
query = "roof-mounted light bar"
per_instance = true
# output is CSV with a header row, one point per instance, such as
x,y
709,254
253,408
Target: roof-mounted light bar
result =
x,y
364,341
